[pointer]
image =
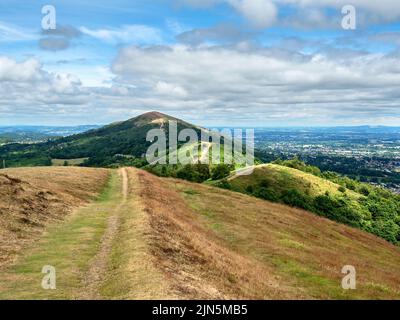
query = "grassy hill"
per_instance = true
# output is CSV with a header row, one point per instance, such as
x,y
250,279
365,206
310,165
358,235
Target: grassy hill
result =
x,y
147,237
103,147
343,200
29,202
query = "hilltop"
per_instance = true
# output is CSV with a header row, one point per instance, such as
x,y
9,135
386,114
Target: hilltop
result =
x,y
117,143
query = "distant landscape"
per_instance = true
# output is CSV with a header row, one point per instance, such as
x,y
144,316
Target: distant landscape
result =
x,y
366,153
218,150
293,249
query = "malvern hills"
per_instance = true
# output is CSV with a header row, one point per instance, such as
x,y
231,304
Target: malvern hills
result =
x,y
99,146
285,231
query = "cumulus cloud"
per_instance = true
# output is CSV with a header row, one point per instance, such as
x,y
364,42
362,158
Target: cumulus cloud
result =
x,y
27,85
260,84
306,14
10,70
314,13
260,13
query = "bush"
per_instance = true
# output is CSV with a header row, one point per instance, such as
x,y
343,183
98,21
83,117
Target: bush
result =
x,y
194,172
266,194
221,171
295,198
224,184
338,209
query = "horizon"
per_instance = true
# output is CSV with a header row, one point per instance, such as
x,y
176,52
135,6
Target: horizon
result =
x,y
242,63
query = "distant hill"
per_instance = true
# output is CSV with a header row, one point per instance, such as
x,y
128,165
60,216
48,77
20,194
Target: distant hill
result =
x,y
29,134
100,146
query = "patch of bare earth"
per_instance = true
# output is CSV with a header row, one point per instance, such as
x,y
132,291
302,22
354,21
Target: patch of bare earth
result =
x,y
32,198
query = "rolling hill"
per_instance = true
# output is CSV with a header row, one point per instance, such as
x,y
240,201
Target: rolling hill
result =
x,y
372,209
147,237
100,146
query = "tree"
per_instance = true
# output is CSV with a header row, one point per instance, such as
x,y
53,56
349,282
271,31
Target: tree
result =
x,y
221,171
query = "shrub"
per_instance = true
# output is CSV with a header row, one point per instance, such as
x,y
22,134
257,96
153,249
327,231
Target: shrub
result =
x,y
194,172
221,171
266,194
295,198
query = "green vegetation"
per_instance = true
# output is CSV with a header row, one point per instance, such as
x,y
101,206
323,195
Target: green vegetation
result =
x,y
327,194
118,144
192,172
68,246
68,162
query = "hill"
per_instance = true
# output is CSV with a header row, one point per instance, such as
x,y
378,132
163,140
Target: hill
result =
x,y
154,238
118,143
29,203
372,209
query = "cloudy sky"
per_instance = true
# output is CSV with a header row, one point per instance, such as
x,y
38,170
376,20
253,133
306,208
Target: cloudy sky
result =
x,y
211,62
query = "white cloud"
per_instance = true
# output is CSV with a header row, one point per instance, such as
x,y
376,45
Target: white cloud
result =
x,y
27,85
134,34
308,13
260,84
169,89
367,10
260,13
10,70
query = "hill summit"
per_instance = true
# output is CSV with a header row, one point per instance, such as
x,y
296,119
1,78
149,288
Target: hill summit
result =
x,y
97,147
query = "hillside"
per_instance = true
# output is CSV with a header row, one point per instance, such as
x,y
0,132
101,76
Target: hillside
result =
x,y
359,205
153,238
121,142
29,203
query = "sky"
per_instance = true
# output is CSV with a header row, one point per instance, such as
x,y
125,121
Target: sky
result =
x,y
210,62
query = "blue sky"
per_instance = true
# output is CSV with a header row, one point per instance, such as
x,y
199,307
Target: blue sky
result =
x,y
213,62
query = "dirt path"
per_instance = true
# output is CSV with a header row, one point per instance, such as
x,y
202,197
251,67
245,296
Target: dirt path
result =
x,y
98,268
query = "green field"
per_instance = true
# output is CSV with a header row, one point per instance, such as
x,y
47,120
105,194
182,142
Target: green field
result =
x,y
69,162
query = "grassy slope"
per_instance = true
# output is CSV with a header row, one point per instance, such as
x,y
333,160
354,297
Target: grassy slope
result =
x,y
72,247
283,178
67,246
177,239
31,199
305,252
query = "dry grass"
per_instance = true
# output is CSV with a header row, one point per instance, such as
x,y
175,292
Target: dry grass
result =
x,y
180,240
305,251
196,262
32,198
134,273
284,177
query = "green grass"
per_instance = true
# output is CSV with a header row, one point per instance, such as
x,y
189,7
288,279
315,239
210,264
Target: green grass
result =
x,y
68,246
70,162
317,286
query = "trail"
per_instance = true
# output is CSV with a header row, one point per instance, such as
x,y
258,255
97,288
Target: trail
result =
x,y
98,268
